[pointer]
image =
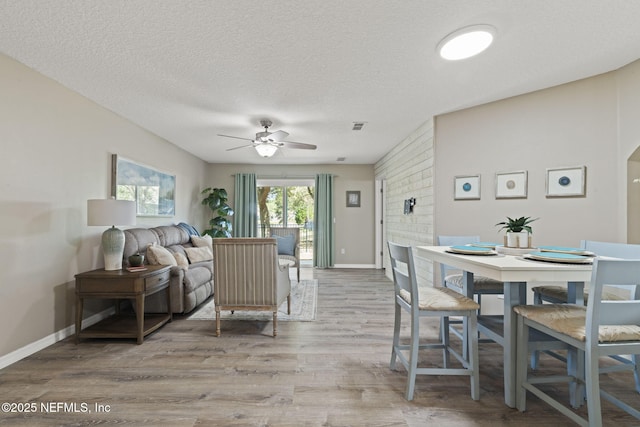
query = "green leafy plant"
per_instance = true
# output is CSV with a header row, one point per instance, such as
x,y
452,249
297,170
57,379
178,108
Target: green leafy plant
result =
x,y
216,199
517,225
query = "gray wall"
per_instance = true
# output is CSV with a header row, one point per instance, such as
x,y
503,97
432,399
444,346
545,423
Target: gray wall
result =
x,y
354,227
574,124
56,153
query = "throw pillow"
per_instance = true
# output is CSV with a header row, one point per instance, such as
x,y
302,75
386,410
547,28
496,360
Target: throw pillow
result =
x,y
160,256
205,241
182,260
286,245
198,254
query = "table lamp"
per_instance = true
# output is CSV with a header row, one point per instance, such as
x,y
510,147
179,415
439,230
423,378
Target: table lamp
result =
x,y
111,212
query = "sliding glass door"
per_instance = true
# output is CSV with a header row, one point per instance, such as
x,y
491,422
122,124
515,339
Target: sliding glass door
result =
x,y
287,203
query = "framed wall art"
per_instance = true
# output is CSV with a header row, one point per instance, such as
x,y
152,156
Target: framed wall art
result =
x,y
353,199
511,185
566,182
466,187
153,191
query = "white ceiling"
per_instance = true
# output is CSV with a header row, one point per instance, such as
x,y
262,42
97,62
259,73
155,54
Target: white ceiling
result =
x,y
189,70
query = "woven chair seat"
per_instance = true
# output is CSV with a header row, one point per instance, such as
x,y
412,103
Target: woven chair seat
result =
x,y
441,299
480,283
570,319
562,294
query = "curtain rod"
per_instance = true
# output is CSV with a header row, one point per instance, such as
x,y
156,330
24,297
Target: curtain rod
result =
x,y
285,176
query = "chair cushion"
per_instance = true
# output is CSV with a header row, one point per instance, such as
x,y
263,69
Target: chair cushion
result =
x,y
480,283
199,254
286,244
570,319
158,255
439,299
282,261
561,293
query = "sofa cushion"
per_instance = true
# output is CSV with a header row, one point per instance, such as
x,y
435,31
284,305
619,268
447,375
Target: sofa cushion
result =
x,y
198,254
196,277
171,235
286,245
137,240
157,255
202,242
181,260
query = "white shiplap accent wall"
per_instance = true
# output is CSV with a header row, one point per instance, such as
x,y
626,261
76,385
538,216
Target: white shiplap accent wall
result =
x,y
408,172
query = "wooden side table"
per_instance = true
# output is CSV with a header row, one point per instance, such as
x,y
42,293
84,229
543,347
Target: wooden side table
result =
x,y
118,285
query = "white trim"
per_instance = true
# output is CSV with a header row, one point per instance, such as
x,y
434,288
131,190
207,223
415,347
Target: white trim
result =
x,y
354,266
29,349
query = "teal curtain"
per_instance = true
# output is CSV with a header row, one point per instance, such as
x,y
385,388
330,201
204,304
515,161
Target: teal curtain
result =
x,y
323,251
245,220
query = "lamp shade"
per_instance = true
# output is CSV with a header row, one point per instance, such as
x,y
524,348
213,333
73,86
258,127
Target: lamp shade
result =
x,y
266,150
111,212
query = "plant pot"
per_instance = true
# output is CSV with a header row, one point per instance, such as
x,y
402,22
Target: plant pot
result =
x,y
136,260
517,239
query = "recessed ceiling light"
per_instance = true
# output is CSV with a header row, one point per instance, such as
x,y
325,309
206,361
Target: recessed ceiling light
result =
x,y
466,42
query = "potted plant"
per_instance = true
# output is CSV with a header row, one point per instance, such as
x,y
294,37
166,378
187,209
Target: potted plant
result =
x,y
518,231
216,199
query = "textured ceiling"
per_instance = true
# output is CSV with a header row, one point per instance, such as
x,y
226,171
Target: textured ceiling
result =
x,y
189,70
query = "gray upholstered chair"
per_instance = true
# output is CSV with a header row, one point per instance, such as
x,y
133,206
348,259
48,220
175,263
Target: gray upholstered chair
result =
x,y
602,328
288,245
249,276
430,302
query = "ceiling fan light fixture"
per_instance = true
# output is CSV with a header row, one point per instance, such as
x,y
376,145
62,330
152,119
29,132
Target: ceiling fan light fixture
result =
x,y
466,42
266,150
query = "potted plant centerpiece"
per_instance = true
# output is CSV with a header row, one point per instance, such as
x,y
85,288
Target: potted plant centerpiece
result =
x,y
216,199
518,231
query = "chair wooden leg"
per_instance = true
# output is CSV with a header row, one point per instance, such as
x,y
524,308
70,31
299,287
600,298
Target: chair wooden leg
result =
x,y
522,348
396,337
535,354
636,370
444,340
473,357
275,323
289,304
413,356
217,322
593,389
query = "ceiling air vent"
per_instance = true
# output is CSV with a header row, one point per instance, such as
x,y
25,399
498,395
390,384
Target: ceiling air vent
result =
x,y
358,125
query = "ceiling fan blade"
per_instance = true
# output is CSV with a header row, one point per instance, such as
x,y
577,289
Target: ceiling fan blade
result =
x,y
242,146
277,136
236,137
299,145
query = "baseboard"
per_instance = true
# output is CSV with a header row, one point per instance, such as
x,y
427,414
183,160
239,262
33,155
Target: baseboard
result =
x,y
34,347
354,266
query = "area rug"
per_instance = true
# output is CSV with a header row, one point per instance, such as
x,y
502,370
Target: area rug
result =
x,y
304,297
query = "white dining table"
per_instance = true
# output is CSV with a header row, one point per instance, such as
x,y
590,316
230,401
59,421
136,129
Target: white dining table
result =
x,y
514,272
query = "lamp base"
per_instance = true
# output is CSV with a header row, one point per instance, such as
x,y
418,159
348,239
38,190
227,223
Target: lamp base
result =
x,y
113,248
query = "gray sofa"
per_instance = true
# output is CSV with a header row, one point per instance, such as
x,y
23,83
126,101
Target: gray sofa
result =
x,y
190,287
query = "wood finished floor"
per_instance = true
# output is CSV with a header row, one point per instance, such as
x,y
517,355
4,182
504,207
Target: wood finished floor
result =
x,y
331,372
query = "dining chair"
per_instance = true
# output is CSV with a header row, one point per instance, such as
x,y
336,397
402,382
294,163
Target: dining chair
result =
x,y
452,278
559,295
428,301
602,328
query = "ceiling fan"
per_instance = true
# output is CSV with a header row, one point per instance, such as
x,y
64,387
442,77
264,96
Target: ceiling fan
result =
x,y
267,143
